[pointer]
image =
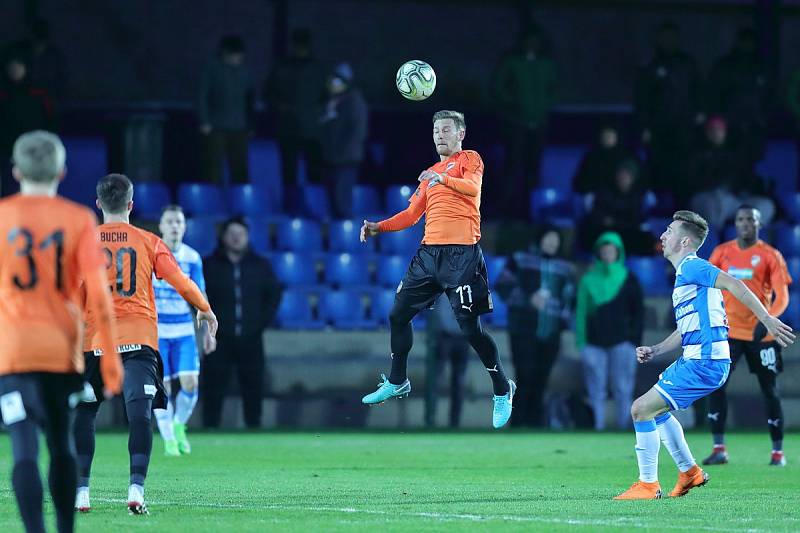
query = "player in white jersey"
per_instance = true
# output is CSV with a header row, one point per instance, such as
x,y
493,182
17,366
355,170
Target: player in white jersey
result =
x,y
176,337
702,333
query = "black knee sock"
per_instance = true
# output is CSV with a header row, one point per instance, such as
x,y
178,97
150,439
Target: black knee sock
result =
x,y
28,488
484,344
140,439
718,414
63,481
83,431
775,421
402,339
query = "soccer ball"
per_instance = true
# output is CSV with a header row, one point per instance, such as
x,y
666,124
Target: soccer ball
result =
x,y
415,80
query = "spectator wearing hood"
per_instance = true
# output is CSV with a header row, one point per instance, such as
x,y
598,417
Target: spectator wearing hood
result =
x,y
538,287
608,327
343,133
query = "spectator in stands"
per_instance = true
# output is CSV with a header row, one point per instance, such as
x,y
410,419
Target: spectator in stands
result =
x,y
598,166
609,320
446,343
225,112
740,88
723,180
295,90
46,63
245,293
667,107
523,89
619,208
539,288
24,107
343,133
793,101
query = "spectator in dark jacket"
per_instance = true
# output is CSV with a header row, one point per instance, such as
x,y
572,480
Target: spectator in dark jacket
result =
x,y
619,208
245,294
344,131
740,88
24,107
599,165
294,91
609,319
225,112
538,287
668,97
723,180
48,67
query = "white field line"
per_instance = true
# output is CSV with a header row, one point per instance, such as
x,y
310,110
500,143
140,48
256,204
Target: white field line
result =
x,y
444,517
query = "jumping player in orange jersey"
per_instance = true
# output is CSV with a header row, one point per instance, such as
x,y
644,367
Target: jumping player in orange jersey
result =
x,y
133,256
763,269
449,260
47,245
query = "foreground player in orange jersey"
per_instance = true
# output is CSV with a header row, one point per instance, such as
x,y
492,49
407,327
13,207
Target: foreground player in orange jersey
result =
x,y
133,256
763,269
47,245
449,260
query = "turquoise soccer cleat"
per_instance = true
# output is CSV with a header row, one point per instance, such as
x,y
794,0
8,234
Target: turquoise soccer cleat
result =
x,y
387,390
503,406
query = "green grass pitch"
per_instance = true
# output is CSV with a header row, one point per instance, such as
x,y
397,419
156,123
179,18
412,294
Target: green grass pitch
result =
x,y
412,482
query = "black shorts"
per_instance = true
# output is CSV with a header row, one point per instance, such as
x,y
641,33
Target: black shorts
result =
x,y
762,357
458,270
38,396
144,373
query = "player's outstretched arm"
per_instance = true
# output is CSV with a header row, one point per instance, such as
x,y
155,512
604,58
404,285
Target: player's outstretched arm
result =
x,y
783,333
369,229
402,220
646,353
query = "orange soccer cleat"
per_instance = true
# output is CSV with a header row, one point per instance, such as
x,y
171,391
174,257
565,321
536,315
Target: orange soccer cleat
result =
x,y
641,490
694,477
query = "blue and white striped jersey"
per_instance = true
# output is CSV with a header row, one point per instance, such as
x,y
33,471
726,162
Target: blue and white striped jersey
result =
x,y
699,310
174,313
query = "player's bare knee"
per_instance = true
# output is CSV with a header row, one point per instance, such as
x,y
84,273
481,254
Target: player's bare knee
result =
x,y
189,384
639,411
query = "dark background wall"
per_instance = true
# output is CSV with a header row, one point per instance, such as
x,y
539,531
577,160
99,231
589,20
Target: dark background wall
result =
x,y
155,50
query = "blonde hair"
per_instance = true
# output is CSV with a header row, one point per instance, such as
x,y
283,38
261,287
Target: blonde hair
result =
x,y
695,226
458,118
40,156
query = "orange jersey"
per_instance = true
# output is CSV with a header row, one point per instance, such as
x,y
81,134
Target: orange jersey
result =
x,y
47,246
451,208
763,269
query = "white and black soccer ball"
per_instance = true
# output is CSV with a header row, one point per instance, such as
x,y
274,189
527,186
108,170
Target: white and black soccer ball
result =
x,y
416,80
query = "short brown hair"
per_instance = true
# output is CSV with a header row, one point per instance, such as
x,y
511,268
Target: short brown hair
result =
x,y
458,118
114,191
172,208
694,225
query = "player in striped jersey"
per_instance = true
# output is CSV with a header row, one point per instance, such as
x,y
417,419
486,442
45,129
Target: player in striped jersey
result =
x,y
176,336
702,333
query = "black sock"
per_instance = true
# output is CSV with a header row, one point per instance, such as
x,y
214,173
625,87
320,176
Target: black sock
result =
x,y
772,401
402,339
140,439
718,413
84,430
28,489
484,344
63,481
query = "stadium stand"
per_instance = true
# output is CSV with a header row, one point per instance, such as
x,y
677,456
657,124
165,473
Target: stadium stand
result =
x,y
202,199
149,198
299,235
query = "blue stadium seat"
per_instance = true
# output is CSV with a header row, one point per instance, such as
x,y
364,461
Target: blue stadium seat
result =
x,y
397,197
299,235
402,242
343,236
366,200
348,309
494,265
554,205
294,268
86,163
252,201
296,311
559,164
651,273
265,170
729,233
787,239
149,198
499,315
259,235
201,234
202,199
316,202
391,269
790,201
711,242
779,166
347,270
792,314
793,264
